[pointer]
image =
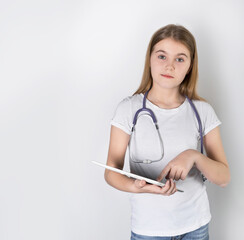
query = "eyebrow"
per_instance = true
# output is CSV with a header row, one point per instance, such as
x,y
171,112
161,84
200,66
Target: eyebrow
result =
x,y
178,54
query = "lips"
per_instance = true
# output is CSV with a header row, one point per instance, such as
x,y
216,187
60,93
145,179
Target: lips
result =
x,y
167,76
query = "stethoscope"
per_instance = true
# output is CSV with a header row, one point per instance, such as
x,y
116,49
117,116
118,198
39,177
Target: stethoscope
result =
x,y
152,115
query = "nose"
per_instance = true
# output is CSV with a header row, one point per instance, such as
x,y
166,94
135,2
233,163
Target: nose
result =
x,y
170,65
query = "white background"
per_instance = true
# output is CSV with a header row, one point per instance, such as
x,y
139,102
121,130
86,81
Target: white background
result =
x,y
64,67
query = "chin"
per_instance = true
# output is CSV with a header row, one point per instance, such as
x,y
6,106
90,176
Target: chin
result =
x,y
168,86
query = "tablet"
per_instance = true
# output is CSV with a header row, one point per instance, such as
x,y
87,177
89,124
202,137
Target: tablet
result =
x,y
132,175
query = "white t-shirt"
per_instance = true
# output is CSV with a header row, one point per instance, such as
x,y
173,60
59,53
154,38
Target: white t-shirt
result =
x,y
158,215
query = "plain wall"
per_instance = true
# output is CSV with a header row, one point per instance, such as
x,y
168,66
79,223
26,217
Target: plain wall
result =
x,y
64,67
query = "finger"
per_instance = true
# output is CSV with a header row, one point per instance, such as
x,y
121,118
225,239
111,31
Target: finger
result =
x,y
166,187
172,173
140,183
183,175
172,186
163,173
178,175
175,189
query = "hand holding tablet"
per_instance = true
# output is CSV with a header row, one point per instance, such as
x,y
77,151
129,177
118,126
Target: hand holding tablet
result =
x,y
132,175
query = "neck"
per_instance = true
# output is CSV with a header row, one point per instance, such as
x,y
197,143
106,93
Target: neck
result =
x,y
165,98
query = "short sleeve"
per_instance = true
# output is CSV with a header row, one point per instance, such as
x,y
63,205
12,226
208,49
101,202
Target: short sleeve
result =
x,y
209,118
122,117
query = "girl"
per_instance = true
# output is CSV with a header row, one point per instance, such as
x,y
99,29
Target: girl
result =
x,y
168,152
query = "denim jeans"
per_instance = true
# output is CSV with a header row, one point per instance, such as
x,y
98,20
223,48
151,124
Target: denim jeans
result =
x,y
198,234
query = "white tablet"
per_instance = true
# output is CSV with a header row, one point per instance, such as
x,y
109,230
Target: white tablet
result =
x,y
132,175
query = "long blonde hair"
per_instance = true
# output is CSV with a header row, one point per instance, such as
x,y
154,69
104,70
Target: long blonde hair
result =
x,y
182,35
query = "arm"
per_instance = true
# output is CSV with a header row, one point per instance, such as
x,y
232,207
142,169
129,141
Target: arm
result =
x,y
214,166
116,154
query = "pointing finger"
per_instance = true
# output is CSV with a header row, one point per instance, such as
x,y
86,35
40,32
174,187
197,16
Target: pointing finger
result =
x,y
164,173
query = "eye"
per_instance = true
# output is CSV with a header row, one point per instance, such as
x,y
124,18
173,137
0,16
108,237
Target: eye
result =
x,y
161,57
179,59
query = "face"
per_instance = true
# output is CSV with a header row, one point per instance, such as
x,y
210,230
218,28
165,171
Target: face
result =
x,y
170,62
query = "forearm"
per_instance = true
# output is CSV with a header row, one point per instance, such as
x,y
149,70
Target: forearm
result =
x,y
120,182
216,172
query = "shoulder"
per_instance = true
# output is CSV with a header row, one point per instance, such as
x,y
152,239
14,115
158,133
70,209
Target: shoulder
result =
x,y
203,107
123,115
207,114
130,100
201,104
127,104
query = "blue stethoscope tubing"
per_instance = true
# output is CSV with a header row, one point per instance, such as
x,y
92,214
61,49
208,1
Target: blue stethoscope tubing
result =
x,y
144,108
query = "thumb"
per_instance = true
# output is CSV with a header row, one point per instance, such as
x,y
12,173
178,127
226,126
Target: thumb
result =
x,y
140,183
